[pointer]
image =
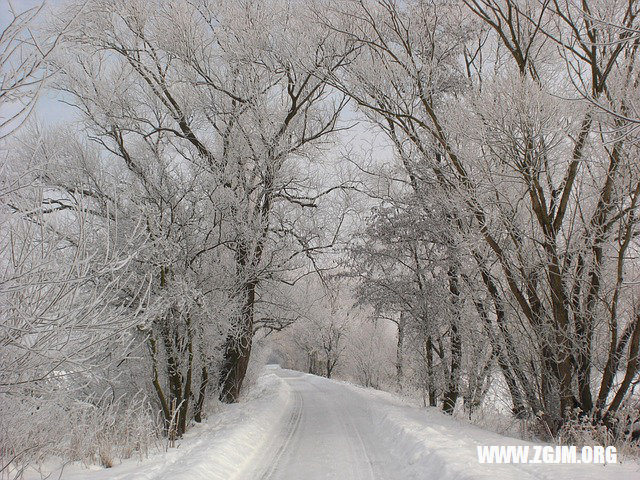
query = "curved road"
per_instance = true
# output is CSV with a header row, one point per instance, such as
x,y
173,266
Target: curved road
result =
x,y
328,433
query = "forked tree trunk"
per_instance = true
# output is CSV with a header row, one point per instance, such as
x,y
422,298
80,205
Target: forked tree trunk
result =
x,y
175,397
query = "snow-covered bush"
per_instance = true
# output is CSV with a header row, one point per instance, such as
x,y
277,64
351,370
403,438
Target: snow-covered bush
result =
x,y
62,425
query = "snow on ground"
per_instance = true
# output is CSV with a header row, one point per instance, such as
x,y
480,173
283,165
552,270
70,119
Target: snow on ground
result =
x,y
297,426
217,450
442,447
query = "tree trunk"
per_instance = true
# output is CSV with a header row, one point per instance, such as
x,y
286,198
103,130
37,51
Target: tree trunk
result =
x,y
431,382
176,345
451,394
631,370
199,406
238,349
498,351
399,350
313,363
153,347
186,394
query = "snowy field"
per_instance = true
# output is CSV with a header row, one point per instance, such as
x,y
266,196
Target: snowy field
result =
x,y
298,426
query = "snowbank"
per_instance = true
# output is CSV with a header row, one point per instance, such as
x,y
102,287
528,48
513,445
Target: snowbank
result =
x,y
217,450
438,446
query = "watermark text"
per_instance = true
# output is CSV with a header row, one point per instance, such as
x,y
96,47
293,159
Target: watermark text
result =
x,y
567,454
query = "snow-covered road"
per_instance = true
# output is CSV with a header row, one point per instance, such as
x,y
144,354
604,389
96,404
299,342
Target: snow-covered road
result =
x,y
295,426
328,432
335,430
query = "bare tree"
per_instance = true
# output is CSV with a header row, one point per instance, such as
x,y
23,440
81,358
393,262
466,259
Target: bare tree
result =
x,y
25,47
232,92
64,323
544,199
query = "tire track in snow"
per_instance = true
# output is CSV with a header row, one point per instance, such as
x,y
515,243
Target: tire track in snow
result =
x,y
356,443
289,431
359,449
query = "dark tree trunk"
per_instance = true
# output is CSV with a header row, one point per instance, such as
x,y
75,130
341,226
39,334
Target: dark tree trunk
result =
x,y
451,394
498,351
186,395
153,347
431,382
199,406
479,386
508,359
234,367
175,402
238,350
631,371
313,363
399,350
